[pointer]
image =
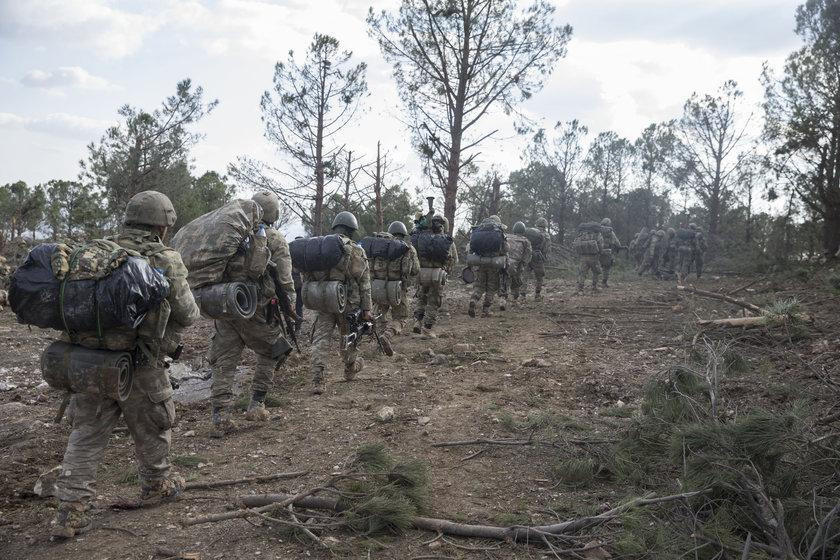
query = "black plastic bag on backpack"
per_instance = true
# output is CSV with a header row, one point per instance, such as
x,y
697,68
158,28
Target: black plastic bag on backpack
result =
x,y
317,254
431,246
384,248
487,241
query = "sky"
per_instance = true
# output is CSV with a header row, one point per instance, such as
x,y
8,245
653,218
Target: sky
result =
x,y
66,66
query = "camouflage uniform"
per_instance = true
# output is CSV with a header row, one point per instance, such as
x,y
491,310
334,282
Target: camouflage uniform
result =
x,y
232,336
606,258
639,246
669,255
354,272
539,257
519,257
698,250
406,269
587,263
149,411
653,255
487,278
430,298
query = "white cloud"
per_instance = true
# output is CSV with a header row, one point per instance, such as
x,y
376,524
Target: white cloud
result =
x,y
56,124
65,77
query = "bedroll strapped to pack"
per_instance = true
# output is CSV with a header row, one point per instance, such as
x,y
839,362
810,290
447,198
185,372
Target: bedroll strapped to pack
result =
x,y
384,248
89,288
77,369
329,296
429,277
430,246
234,300
498,262
487,240
207,243
317,254
386,292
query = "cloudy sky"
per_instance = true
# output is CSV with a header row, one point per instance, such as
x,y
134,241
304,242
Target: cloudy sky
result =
x,y
67,65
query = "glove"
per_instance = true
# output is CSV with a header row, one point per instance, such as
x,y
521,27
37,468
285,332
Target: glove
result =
x,y
271,311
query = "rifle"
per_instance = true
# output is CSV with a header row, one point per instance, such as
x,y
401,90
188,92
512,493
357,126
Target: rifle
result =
x,y
284,306
356,329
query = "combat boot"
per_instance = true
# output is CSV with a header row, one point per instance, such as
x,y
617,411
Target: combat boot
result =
x,y
471,310
386,345
70,520
318,385
256,408
503,305
223,424
351,369
164,490
538,297
485,311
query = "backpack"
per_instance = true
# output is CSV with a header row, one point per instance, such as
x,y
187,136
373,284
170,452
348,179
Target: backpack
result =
x,y
487,240
210,241
536,238
684,239
317,254
517,247
384,248
93,287
431,246
586,242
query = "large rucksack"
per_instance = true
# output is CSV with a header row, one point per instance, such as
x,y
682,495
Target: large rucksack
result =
x,y
385,248
487,240
317,254
208,243
93,287
517,247
431,246
536,238
586,242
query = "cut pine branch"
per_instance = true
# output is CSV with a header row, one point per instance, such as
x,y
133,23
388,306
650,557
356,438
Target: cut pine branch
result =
x,y
246,480
722,297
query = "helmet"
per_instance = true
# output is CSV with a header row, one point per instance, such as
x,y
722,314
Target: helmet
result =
x,y
495,220
347,220
519,228
660,233
606,222
542,223
270,206
150,208
440,221
397,228
693,226
671,232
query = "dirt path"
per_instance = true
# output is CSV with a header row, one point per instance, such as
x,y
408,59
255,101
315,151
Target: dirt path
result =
x,y
589,356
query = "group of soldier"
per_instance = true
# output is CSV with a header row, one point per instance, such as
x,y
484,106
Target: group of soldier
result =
x,y
430,255
669,254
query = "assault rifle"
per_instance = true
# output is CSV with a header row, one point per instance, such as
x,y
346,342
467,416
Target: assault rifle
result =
x,y
281,312
357,328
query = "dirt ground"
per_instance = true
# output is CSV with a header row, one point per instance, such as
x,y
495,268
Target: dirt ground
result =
x,y
596,352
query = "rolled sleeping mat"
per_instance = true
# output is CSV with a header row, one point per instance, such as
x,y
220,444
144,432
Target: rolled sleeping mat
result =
x,y
78,369
431,277
386,292
329,296
234,300
498,263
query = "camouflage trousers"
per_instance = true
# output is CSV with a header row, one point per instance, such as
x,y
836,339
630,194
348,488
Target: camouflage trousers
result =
x,y
231,338
697,258
149,414
323,337
684,259
606,260
516,281
399,313
539,276
651,262
487,281
428,302
587,263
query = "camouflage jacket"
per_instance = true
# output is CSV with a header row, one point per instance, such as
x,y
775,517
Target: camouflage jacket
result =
x,y
542,249
353,270
160,331
610,240
282,260
519,249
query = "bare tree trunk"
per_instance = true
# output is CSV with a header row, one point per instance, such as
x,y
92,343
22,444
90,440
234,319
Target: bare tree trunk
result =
x,y
377,190
347,180
318,211
495,195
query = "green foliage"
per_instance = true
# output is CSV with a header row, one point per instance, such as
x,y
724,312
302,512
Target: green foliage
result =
x,y
575,472
21,209
512,519
73,208
188,461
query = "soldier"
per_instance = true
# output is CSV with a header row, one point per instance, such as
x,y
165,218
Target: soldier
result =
x,y
640,245
519,256
540,246
406,269
606,258
430,298
669,255
149,411
699,249
653,255
487,277
354,272
262,333
588,245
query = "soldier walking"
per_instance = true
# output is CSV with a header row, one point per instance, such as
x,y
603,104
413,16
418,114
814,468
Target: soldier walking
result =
x,y
588,245
405,269
611,242
540,247
518,258
488,257
437,254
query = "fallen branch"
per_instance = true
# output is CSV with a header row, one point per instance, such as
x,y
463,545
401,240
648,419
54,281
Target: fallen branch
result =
x,y
520,533
249,511
246,480
743,287
723,297
764,321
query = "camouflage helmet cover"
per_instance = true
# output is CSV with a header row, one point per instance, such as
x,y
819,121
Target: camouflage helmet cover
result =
x,y
606,222
270,205
519,228
150,208
347,220
660,233
397,228
542,223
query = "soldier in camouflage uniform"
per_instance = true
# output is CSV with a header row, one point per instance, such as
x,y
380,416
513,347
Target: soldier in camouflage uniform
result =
x,y
262,333
149,410
487,278
611,242
519,257
588,252
430,298
639,246
668,262
653,255
540,250
406,269
353,270
699,249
